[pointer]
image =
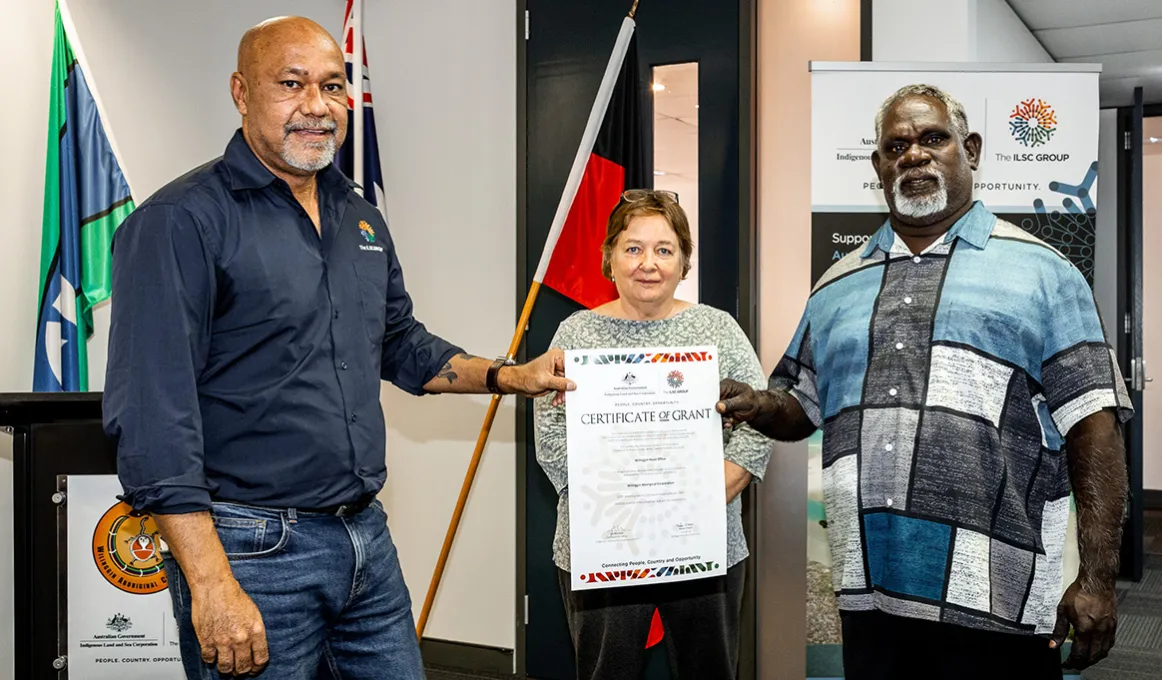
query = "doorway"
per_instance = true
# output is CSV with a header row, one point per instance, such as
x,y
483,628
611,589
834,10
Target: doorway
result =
x,y
695,61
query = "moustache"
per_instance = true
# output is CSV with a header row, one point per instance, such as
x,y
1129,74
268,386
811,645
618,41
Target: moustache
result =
x,y
324,124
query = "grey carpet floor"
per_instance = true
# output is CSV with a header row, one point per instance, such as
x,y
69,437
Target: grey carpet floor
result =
x,y
1138,652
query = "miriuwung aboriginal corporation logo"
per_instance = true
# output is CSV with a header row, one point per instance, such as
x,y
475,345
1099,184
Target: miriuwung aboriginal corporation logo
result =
x,y
675,379
1033,122
127,550
367,231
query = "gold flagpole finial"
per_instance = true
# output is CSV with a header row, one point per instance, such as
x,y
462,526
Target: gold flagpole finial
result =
x,y
633,10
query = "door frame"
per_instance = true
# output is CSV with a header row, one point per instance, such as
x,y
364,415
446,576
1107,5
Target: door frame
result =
x,y
747,309
1129,190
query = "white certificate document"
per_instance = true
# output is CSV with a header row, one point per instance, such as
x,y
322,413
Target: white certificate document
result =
x,y
647,490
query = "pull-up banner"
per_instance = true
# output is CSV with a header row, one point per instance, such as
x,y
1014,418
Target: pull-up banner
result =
x,y
1038,165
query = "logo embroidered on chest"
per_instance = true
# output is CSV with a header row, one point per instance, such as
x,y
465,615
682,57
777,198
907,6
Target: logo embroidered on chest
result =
x,y
368,232
369,236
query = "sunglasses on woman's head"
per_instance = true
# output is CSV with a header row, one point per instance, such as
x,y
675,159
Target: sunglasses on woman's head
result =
x,y
640,194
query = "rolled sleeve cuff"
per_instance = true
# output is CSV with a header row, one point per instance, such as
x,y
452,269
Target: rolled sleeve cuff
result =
x,y
1085,405
810,407
168,498
1082,380
446,351
799,381
439,352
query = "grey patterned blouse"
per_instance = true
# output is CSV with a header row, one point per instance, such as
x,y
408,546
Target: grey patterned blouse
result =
x,y
697,325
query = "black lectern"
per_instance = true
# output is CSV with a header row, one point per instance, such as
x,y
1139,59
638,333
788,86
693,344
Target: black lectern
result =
x,y
54,434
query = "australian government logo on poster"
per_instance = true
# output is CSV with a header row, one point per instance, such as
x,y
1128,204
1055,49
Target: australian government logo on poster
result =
x,y
120,618
1038,166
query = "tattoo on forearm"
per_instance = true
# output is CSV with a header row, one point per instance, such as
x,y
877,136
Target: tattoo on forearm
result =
x,y
1097,468
447,372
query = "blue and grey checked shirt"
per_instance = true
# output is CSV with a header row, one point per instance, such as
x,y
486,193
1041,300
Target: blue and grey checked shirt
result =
x,y
945,383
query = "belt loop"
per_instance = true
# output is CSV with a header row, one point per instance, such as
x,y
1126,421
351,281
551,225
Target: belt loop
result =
x,y
292,515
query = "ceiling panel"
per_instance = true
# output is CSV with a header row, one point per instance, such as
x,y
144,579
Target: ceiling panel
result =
x,y
1042,14
1146,63
1089,41
1124,36
1120,91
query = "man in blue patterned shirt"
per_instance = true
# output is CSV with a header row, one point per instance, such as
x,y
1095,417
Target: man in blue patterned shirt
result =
x,y
965,387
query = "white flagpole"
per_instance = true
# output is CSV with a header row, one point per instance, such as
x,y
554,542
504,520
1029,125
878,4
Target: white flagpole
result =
x,y
357,95
596,116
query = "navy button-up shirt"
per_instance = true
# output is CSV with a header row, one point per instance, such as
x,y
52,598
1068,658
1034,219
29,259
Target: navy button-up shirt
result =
x,y
246,349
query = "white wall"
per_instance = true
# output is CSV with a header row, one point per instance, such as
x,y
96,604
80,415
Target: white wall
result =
x,y
1105,269
963,30
1002,36
25,41
923,30
446,123
450,177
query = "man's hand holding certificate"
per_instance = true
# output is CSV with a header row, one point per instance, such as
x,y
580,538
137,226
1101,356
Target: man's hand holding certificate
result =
x,y
646,484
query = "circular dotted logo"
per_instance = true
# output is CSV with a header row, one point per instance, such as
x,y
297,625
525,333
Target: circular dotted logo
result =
x,y
1033,122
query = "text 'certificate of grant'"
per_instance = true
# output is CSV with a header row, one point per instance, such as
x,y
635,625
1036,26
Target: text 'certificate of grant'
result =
x,y
647,491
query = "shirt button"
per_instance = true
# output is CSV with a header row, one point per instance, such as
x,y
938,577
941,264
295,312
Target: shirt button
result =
x,y
343,365
907,301
917,259
893,391
354,417
336,314
899,345
888,447
889,502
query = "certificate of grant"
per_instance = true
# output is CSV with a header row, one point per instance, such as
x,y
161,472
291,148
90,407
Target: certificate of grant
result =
x,y
647,496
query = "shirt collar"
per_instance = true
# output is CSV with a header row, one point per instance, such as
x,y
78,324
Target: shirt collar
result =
x,y
975,227
247,172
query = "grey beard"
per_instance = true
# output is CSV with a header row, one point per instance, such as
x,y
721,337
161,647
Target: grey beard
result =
x,y
312,159
920,206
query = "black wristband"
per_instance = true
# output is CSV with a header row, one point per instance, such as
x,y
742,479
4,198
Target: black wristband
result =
x,y
490,378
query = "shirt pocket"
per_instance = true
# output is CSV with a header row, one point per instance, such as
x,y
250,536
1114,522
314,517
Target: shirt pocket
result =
x,y
245,538
371,279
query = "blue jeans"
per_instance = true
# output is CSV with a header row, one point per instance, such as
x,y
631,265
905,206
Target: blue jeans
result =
x,y
329,588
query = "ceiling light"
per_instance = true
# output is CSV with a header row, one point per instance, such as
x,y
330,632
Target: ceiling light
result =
x,y
658,87
695,106
1155,140
659,173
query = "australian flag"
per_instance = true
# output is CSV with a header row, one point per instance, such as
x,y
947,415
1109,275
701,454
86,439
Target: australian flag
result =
x,y
371,179
86,197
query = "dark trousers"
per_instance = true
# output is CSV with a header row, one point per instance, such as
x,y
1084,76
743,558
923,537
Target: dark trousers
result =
x,y
609,627
879,646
